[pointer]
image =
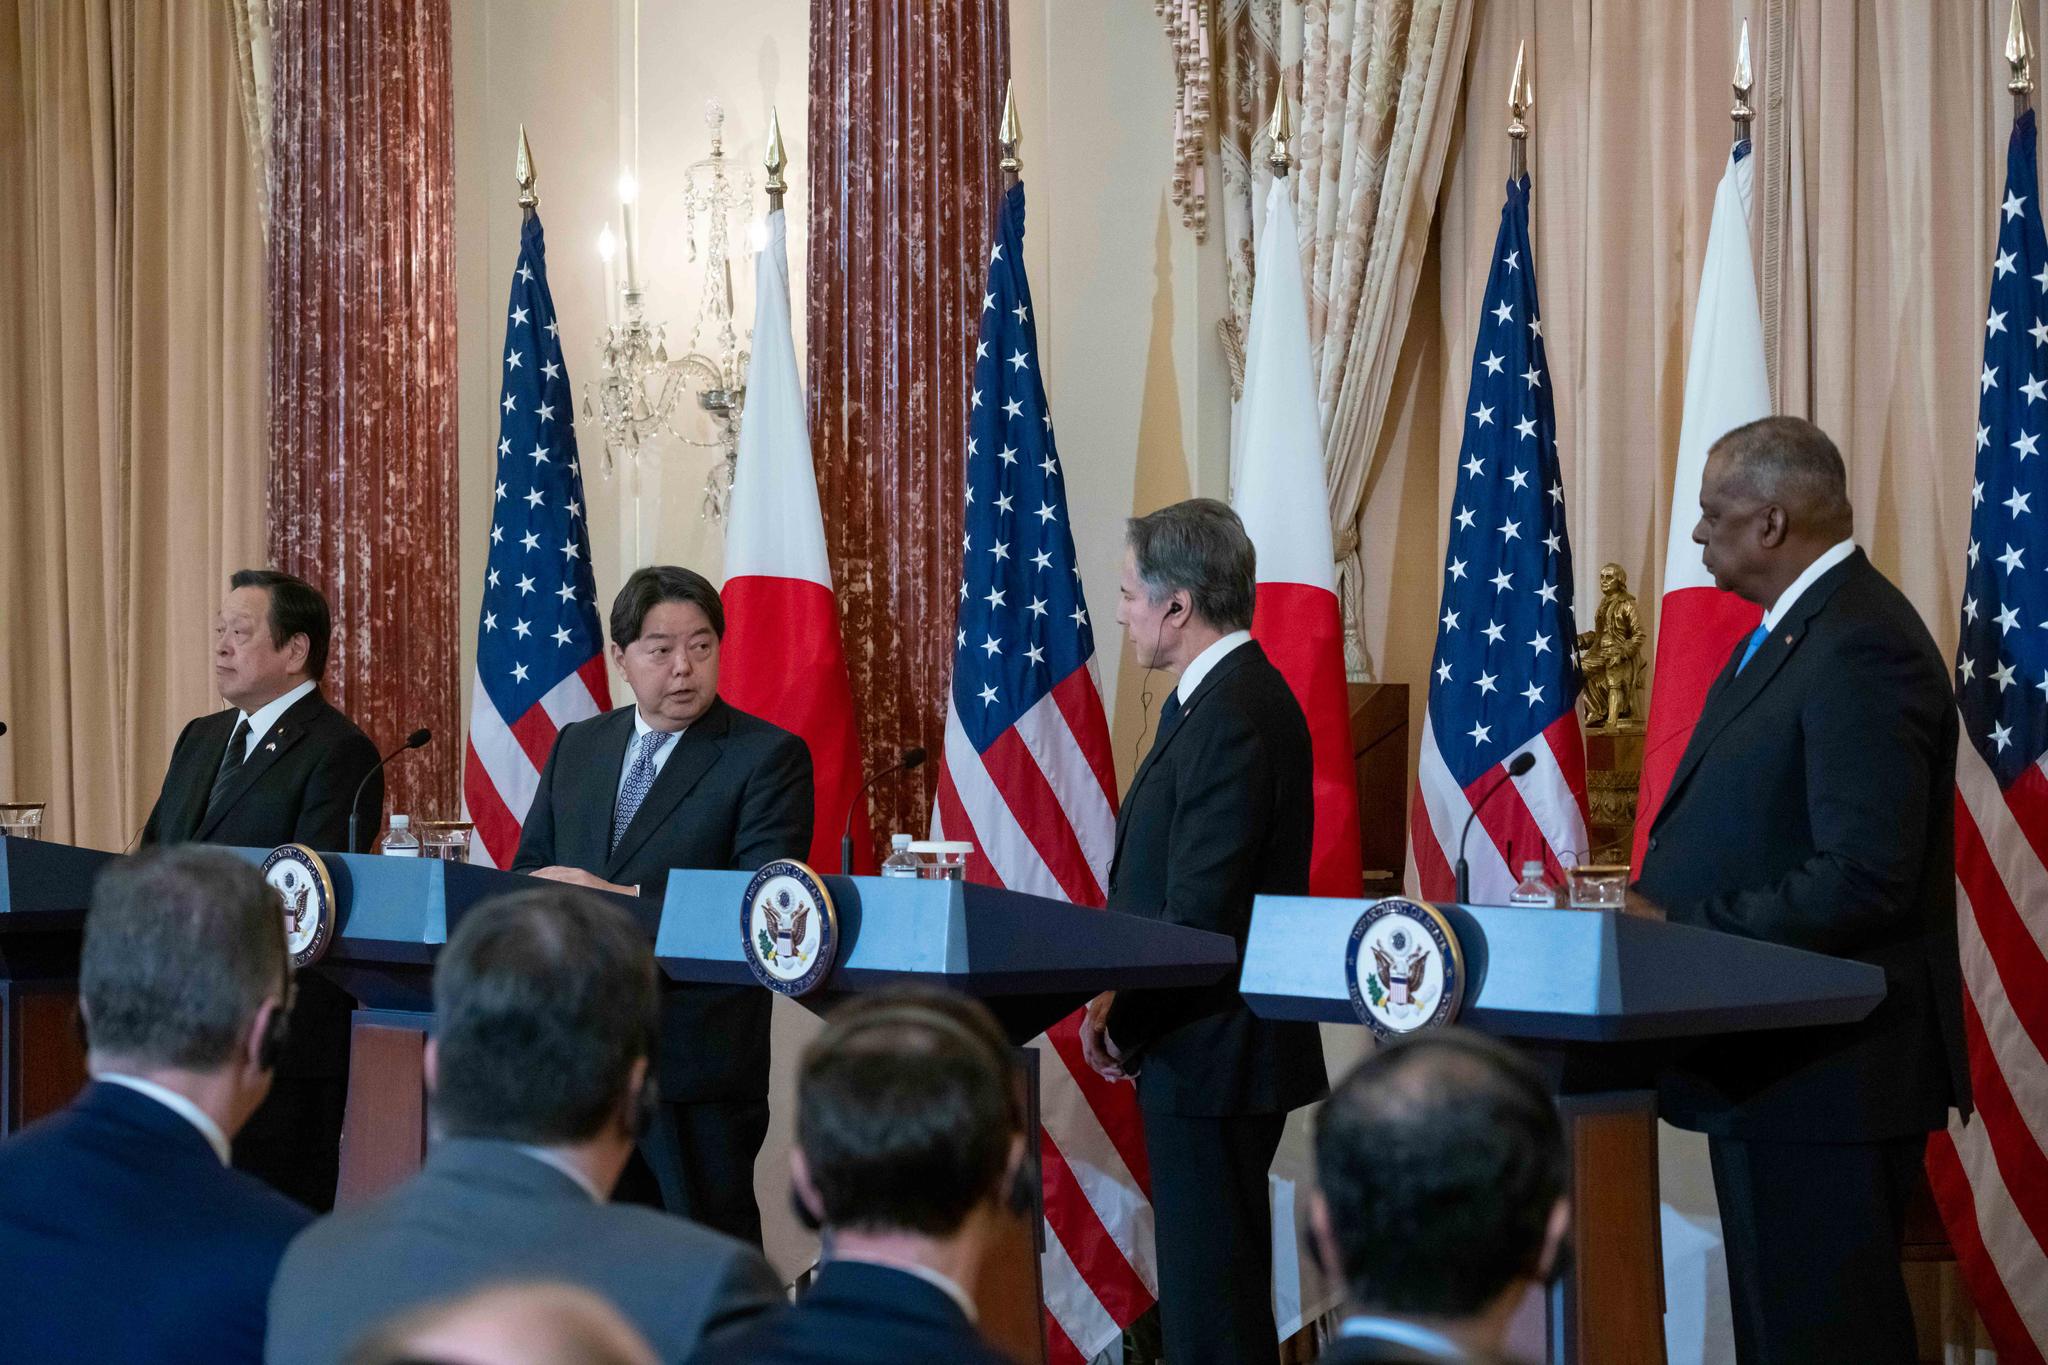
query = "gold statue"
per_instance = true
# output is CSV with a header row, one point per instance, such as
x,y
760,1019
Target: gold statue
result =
x,y
1611,655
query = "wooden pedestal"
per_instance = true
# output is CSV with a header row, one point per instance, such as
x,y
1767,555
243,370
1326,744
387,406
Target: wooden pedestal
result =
x,y
42,1059
384,1127
1379,757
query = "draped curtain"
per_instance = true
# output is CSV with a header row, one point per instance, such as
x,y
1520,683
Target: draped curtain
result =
x,y
131,422
906,98
362,493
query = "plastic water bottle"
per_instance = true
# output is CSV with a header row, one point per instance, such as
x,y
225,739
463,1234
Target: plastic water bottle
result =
x,y
1533,890
399,841
901,862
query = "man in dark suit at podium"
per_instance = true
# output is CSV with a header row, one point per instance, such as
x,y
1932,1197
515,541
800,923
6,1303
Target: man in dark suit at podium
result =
x,y
1220,811
1814,807
279,766
123,1234
680,779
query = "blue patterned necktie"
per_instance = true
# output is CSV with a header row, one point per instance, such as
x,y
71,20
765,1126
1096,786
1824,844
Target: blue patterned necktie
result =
x,y
1756,640
639,778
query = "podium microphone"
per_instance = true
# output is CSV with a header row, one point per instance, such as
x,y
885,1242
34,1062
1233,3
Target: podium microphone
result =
x,y
905,761
415,740
1519,764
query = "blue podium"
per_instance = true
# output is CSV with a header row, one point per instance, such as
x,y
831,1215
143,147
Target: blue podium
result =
x,y
392,915
1032,961
1599,999
44,889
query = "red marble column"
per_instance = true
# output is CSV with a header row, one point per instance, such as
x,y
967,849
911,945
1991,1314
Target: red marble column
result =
x,y
906,97
363,482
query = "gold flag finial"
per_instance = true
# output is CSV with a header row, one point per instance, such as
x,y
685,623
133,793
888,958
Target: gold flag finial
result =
x,y
1744,82
2019,54
522,170
776,160
1011,133
1281,130
1519,98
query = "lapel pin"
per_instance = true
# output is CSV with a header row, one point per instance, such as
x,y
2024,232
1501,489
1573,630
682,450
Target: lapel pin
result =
x,y
272,746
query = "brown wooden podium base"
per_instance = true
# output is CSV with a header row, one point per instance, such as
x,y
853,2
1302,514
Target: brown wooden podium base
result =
x,y
42,1058
384,1127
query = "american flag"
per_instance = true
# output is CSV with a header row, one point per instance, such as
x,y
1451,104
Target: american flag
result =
x,y
539,652
1990,1176
1505,677
1028,777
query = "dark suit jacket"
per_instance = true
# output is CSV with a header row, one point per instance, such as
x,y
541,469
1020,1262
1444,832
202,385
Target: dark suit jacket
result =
x,y
735,793
1221,810
860,1314
1374,1351
294,789
482,1212
122,1237
1814,807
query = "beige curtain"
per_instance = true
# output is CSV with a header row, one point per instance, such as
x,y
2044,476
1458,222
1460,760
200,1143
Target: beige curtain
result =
x,y
131,390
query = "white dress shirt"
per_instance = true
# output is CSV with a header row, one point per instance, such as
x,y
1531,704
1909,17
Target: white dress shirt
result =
x,y
566,1167
268,715
1205,662
179,1105
1789,598
1418,1339
642,728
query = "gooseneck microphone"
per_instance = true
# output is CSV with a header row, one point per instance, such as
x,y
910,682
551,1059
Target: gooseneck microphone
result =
x,y
905,761
1519,764
417,739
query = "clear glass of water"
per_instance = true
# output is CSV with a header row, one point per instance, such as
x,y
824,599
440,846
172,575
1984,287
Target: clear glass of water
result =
x,y
21,819
1599,886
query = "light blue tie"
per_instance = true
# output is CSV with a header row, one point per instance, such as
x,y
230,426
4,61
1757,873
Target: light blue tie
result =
x,y
639,778
1756,639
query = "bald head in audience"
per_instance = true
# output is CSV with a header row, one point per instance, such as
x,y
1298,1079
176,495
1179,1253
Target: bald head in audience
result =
x,y
509,1324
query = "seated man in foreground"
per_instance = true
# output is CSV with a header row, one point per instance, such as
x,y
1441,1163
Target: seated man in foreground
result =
x,y
546,1014
1441,1204
123,1233
909,1152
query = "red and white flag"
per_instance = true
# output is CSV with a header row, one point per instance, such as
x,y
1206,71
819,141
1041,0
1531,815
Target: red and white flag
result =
x,y
783,659
1726,385
1281,497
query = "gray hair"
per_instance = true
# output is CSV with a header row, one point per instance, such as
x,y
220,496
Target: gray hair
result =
x,y
181,948
1198,546
1791,462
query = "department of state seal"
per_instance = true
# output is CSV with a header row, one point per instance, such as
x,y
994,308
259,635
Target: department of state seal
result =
x,y
1404,968
789,928
299,876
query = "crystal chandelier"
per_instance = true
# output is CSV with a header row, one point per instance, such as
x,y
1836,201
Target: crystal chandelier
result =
x,y
637,385
713,192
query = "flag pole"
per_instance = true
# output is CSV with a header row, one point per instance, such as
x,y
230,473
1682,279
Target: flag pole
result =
x,y
775,161
522,171
1519,100
1010,135
1282,130
1742,113
2019,54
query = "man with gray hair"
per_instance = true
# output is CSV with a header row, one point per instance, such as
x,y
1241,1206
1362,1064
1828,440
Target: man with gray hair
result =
x,y
1814,807
1220,811
124,1235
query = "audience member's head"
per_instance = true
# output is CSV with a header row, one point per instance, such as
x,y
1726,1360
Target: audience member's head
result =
x,y
909,1119
1773,497
272,634
546,1011
541,1323
1441,1165
183,977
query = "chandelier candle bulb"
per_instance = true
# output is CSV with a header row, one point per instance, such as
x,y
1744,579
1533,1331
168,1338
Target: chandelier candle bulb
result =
x,y
629,211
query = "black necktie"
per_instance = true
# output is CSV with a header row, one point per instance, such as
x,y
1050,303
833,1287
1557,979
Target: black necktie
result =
x,y
1169,716
230,762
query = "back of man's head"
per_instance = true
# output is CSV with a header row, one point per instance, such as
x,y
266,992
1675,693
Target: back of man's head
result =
x,y
182,947
1441,1161
1790,462
907,1112
543,1002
